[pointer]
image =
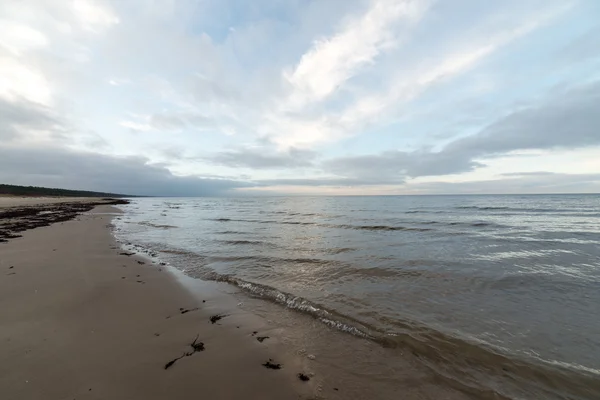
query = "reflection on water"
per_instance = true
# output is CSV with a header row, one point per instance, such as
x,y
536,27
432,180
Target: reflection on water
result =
x,y
510,276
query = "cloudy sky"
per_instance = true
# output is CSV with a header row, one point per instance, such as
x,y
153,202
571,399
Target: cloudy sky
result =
x,y
222,97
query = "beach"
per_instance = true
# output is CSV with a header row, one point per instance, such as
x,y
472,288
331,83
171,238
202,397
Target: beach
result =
x,y
83,317
282,299
80,319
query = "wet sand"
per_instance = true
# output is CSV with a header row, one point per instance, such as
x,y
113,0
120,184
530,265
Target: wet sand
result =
x,y
81,319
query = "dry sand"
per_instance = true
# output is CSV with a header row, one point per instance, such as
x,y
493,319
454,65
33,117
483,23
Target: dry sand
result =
x,y
79,320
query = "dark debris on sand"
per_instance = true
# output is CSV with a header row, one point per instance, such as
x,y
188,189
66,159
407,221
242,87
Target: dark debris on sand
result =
x,y
18,219
217,317
303,377
196,347
271,365
262,338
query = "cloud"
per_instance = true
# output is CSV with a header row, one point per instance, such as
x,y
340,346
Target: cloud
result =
x,y
168,121
258,158
336,93
583,48
326,68
22,80
521,183
22,119
136,126
524,183
332,61
569,119
315,182
59,167
533,173
93,16
566,120
179,120
19,38
118,81
397,166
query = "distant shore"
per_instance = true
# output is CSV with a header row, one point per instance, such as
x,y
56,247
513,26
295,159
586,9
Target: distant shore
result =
x,y
37,191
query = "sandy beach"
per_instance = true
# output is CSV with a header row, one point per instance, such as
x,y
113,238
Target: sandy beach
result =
x,y
80,319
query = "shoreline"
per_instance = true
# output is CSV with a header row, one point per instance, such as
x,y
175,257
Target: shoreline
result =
x,y
341,361
65,292
133,327
214,241
82,320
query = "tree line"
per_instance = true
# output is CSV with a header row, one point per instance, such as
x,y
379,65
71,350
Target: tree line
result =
x,y
16,190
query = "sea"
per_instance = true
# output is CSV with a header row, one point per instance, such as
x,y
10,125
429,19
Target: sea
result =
x,y
499,293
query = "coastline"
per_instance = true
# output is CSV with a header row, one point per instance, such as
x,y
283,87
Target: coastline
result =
x,y
82,320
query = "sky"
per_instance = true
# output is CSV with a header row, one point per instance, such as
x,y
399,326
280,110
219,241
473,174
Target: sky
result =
x,y
301,97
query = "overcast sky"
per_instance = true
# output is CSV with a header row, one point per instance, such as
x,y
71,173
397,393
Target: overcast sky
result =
x,y
235,97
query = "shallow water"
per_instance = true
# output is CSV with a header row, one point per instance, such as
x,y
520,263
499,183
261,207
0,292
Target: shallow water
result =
x,y
499,293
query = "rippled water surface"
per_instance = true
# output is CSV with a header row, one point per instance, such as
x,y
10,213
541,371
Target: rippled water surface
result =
x,y
484,285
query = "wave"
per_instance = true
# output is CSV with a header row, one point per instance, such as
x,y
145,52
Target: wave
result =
x,y
335,226
230,233
339,250
482,208
559,280
297,303
242,242
515,209
146,223
467,361
270,260
426,212
382,228
414,227
291,223
472,364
